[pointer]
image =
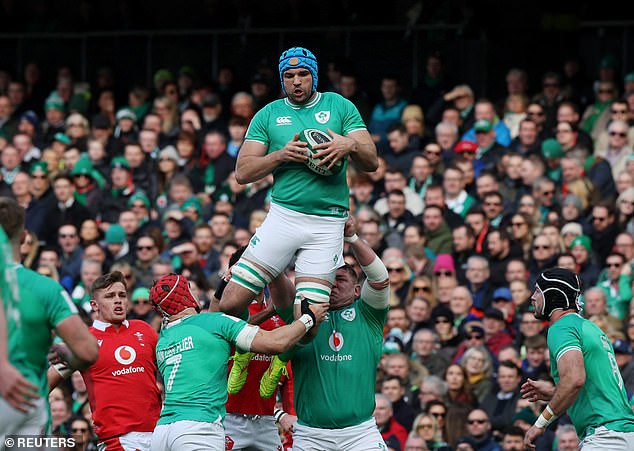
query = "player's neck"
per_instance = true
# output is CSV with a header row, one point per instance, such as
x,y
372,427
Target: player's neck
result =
x,y
184,313
558,314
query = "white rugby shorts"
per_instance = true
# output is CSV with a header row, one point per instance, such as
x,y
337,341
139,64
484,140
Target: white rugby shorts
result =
x,y
317,241
363,437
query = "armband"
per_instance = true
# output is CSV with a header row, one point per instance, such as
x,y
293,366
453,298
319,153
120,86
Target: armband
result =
x,y
546,418
351,239
63,370
278,414
307,320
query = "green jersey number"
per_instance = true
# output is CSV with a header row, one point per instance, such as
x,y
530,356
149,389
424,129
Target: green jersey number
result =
x,y
176,361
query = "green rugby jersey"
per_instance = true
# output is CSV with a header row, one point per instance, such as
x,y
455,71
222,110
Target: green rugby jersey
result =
x,y
602,400
296,187
41,306
192,355
335,373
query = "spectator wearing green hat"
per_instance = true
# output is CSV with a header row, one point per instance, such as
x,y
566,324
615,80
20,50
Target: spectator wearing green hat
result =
x,y
87,189
139,203
116,243
115,199
193,209
161,77
126,130
489,151
552,151
581,249
142,308
55,112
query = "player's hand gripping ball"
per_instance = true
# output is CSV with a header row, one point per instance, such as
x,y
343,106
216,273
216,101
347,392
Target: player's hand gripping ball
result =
x,y
312,137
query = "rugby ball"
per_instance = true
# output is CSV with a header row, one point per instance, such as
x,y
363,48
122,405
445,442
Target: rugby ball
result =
x,y
312,137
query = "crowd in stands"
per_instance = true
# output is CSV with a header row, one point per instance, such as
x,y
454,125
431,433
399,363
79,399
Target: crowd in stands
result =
x,y
473,197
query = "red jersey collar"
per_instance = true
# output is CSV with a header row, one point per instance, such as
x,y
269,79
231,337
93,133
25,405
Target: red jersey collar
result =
x,y
101,325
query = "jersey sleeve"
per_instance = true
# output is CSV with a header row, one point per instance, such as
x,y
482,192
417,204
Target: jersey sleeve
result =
x,y
374,317
228,327
59,305
351,120
565,339
257,130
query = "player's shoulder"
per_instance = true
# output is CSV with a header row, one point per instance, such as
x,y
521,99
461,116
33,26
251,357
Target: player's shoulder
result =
x,y
141,326
36,281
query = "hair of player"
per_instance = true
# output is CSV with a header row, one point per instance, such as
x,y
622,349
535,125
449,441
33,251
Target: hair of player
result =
x,y
11,218
106,281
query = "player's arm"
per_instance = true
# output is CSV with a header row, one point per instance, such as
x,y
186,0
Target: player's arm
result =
x,y
572,376
56,375
363,151
376,288
261,316
14,387
283,338
254,162
82,345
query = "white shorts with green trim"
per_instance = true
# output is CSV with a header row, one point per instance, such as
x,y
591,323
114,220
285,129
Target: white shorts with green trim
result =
x,y
317,241
363,437
189,436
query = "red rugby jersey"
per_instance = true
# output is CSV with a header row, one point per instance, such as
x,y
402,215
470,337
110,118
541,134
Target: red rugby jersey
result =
x,y
121,385
248,400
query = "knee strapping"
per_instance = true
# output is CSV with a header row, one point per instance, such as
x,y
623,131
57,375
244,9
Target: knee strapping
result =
x,y
249,276
315,292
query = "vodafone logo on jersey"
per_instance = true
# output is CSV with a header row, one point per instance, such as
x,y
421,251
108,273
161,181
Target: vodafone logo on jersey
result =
x,y
125,355
336,341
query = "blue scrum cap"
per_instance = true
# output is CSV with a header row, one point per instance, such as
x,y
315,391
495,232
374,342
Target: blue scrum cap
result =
x,y
298,57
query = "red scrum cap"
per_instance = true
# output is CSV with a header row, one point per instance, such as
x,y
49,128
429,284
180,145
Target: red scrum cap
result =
x,y
171,295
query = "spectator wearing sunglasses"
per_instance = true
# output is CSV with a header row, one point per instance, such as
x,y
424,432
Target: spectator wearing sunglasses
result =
x,y
617,287
448,338
617,149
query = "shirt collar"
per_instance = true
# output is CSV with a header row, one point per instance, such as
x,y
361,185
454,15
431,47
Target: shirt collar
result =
x,y
102,326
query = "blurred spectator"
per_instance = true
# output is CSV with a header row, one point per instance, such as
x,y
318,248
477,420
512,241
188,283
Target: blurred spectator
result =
x,y
385,421
479,430
500,405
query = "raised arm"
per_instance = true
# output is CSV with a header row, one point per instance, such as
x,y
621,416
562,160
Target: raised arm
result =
x,y
375,291
254,163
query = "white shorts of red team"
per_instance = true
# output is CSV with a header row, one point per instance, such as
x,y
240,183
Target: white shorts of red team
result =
x,y
317,241
255,433
363,437
604,439
189,436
